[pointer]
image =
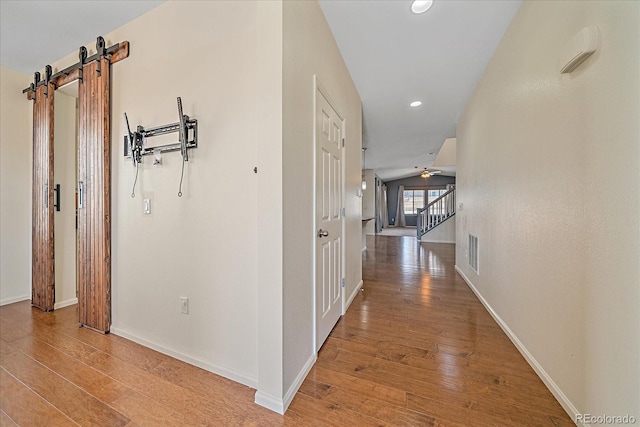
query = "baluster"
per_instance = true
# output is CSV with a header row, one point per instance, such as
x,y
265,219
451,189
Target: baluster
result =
x,y
453,196
431,212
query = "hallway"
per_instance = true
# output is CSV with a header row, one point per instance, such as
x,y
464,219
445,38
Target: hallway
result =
x,y
415,348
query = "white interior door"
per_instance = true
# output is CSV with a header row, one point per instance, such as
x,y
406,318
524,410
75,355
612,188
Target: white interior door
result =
x,y
328,128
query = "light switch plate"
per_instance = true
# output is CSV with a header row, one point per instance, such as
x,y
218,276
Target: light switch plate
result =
x,y
147,206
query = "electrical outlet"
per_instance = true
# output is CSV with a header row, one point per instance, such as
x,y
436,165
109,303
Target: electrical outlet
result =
x,y
184,305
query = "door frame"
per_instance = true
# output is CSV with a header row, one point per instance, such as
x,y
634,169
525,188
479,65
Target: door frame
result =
x,y
318,87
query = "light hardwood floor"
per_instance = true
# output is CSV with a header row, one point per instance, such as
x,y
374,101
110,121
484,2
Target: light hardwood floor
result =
x,y
416,348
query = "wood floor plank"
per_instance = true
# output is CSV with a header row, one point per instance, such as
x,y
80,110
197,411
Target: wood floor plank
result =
x,y
66,397
394,415
13,330
119,347
89,380
415,348
183,401
146,411
233,396
62,342
5,420
361,387
6,348
332,414
458,410
22,406
131,404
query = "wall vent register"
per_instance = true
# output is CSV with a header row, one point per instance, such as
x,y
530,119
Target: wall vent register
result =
x,y
473,253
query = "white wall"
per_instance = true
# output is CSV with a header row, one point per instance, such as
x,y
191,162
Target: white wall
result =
x,y
64,169
235,242
447,154
309,49
549,174
15,187
270,223
203,246
444,233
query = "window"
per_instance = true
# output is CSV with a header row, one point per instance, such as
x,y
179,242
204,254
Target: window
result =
x,y
413,201
434,194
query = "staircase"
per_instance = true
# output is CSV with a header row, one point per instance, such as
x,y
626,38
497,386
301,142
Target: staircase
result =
x,y
436,212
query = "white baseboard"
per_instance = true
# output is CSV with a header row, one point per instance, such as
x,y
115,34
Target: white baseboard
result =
x,y
280,405
290,394
270,402
63,304
11,300
352,297
218,370
544,376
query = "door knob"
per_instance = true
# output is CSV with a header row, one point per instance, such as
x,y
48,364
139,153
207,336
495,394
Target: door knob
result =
x,y
323,233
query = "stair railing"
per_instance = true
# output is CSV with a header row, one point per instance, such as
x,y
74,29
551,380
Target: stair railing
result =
x,y
436,212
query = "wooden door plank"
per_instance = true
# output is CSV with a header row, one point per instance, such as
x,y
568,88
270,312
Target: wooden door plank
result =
x,y
94,218
43,277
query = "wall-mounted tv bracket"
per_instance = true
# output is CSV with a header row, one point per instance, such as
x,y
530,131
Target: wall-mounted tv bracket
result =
x,y
134,142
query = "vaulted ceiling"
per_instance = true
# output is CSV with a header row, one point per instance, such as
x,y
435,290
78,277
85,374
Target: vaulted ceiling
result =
x,y
394,56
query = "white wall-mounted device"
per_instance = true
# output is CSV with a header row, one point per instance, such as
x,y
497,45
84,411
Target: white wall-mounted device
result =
x,y
582,46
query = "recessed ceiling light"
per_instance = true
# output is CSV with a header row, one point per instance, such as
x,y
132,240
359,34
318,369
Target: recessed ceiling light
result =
x,y
416,104
421,6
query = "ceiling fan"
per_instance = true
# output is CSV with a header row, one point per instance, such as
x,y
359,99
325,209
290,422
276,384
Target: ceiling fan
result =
x,y
426,173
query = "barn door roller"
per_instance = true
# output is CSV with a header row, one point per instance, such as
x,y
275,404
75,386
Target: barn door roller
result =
x,y
73,72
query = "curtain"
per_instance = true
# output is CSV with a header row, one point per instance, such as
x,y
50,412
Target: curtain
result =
x,y
400,220
385,208
378,205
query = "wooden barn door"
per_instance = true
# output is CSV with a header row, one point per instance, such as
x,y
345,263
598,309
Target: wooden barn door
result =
x,y
42,279
94,197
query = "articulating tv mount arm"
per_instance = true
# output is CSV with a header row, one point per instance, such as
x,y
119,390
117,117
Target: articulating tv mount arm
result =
x,y
134,142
